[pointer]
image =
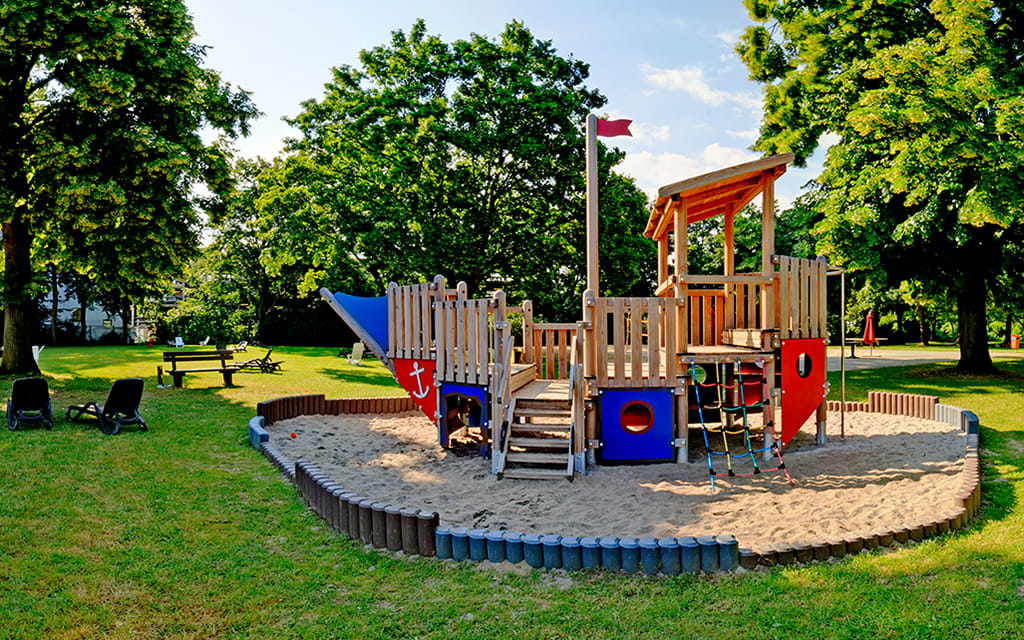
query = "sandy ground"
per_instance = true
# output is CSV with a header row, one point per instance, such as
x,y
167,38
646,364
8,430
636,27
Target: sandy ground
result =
x,y
887,471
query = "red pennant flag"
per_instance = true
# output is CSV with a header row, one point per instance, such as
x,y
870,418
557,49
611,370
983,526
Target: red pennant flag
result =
x,y
612,128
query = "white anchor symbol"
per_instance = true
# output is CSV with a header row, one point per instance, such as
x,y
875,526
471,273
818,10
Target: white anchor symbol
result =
x,y
416,371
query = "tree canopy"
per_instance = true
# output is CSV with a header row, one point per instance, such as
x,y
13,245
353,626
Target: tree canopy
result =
x,y
462,158
102,108
927,102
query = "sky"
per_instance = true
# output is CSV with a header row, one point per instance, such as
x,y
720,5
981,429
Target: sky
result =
x,y
669,66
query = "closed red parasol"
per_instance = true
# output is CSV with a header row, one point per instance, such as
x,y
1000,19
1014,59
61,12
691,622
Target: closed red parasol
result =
x,y
869,330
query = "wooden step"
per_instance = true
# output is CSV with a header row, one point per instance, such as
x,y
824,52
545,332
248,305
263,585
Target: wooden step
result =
x,y
543,403
542,412
534,457
535,474
524,427
527,442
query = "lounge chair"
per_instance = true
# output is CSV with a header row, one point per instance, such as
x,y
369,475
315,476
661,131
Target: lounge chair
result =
x,y
121,407
264,364
241,346
356,357
205,341
29,402
178,343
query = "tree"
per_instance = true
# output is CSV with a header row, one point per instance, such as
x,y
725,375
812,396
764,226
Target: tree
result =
x,y
926,100
464,159
101,108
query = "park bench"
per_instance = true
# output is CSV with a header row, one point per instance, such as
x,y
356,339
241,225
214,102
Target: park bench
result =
x,y
189,357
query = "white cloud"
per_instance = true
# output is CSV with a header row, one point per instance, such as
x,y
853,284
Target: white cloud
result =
x,y
691,80
655,170
749,134
728,37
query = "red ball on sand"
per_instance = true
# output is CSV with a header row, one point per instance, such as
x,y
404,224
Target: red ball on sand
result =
x,y
292,434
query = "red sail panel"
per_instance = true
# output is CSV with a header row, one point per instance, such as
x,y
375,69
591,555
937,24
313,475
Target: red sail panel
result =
x,y
417,377
804,384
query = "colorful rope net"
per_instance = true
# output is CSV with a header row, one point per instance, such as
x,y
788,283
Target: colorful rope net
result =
x,y
732,405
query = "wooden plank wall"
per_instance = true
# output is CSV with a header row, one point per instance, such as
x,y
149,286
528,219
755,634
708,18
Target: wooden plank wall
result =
x,y
410,326
706,317
465,346
635,341
801,298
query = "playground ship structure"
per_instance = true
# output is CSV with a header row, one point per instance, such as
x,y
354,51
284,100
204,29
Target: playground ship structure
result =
x,y
735,358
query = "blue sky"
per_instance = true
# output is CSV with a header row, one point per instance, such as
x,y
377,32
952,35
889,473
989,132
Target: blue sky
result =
x,y
668,66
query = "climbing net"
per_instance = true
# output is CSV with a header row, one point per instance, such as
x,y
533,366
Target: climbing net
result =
x,y
730,400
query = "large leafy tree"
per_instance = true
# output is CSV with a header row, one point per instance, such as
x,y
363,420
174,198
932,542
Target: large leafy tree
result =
x,y
927,101
464,159
102,103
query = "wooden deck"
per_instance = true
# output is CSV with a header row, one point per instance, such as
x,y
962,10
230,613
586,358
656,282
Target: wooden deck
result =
x,y
545,390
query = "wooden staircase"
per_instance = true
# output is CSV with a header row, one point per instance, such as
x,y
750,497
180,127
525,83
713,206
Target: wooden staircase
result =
x,y
539,444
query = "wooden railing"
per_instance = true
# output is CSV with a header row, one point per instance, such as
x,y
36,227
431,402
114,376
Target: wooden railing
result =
x,y
502,404
577,395
464,339
551,349
800,297
410,318
632,342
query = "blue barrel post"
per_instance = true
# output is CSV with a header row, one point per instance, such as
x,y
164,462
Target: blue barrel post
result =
x,y
708,553
671,559
611,554
649,555
590,549
728,553
443,543
477,544
551,548
630,550
514,546
572,556
496,546
689,552
460,543
532,551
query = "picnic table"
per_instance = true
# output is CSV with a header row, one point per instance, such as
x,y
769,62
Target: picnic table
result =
x,y
187,357
853,342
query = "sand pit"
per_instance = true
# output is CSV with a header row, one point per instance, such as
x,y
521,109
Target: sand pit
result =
x,y
887,471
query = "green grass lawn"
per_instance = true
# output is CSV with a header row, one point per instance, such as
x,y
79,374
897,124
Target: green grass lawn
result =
x,y
186,532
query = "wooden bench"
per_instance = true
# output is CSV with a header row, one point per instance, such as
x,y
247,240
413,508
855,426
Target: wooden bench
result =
x,y
188,357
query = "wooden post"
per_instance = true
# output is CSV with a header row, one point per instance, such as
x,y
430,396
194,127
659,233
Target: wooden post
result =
x,y
528,332
589,346
592,206
767,248
682,425
681,268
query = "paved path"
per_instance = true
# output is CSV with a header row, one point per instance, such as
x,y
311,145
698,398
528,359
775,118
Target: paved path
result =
x,y
866,359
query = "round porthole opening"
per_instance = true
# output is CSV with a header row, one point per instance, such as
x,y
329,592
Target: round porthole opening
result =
x,y
804,365
636,417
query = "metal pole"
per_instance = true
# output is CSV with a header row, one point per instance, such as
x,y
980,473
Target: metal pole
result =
x,y
842,355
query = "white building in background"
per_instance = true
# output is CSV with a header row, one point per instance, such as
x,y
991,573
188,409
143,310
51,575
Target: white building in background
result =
x,y
98,322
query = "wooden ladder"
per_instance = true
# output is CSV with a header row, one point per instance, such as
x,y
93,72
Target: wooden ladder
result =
x,y
539,444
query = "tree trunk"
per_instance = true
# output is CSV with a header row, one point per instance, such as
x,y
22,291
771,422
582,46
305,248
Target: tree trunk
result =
x,y
17,356
922,325
1008,329
54,300
974,355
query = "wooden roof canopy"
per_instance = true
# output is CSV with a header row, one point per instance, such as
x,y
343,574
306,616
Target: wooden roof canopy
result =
x,y
720,192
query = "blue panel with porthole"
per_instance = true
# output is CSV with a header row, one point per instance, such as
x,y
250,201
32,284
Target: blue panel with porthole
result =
x,y
636,426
